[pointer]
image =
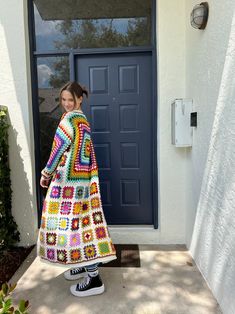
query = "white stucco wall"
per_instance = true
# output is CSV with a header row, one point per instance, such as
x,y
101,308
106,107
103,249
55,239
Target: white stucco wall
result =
x,y
15,93
210,81
171,85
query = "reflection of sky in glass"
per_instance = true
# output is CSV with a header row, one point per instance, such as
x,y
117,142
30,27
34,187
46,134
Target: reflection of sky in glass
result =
x,y
47,31
45,68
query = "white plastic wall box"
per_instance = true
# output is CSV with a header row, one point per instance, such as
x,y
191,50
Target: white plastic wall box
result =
x,y
181,131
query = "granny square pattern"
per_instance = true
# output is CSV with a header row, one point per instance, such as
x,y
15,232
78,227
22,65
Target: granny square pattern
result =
x,y
73,230
75,255
52,223
53,207
65,208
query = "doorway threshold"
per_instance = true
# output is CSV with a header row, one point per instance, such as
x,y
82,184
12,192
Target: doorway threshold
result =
x,y
134,234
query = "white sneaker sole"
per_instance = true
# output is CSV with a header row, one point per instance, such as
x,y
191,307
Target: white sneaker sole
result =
x,y
94,291
67,275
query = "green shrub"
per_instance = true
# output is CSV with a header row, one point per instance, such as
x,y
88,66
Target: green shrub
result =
x,y
9,234
6,306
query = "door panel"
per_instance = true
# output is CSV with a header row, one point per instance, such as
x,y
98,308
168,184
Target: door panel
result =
x,y
120,113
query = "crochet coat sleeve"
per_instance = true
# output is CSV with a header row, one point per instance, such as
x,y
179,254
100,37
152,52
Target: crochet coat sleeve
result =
x,y
62,140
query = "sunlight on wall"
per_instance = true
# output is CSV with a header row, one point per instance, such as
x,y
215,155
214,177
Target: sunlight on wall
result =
x,y
213,241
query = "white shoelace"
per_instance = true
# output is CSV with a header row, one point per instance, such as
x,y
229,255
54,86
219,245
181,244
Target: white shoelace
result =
x,y
84,283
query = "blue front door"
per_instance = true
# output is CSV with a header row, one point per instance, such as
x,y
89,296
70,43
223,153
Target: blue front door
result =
x,y
119,109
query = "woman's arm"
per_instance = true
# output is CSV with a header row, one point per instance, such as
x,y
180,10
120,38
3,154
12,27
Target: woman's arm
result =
x,y
62,140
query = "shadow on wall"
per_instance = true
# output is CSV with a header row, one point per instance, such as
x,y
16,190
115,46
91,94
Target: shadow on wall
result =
x,y
213,241
21,209
14,93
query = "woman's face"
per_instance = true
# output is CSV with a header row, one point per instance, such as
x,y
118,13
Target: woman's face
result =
x,y
68,102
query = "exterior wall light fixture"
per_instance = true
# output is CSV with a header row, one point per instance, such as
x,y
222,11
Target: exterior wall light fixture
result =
x,y
199,15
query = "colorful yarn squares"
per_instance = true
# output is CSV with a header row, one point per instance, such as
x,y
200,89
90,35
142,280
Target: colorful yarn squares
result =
x,y
86,221
64,224
100,233
58,176
97,217
79,192
63,160
87,236
53,208
51,254
51,238
75,239
90,251
75,224
85,150
62,256
86,193
95,202
52,223
68,192
55,192
103,248
42,251
93,188
75,255
65,208
85,206
77,206
43,222
44,206
42,237
62,239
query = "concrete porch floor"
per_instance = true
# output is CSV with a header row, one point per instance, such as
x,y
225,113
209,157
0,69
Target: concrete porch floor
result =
x,y
165,283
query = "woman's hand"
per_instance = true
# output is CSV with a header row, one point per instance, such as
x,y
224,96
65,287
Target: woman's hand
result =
x,y
44,182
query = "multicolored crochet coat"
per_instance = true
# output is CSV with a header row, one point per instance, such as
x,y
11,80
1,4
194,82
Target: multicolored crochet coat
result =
x,y
73,229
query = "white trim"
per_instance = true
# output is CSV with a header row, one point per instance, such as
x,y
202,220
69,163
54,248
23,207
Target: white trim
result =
x,y
134,234
142,234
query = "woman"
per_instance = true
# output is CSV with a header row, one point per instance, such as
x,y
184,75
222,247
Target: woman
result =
x,y
73,231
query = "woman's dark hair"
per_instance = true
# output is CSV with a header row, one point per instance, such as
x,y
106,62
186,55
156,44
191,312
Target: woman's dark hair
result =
x,y
75,89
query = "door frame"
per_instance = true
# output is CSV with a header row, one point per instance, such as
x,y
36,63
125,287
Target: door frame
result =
x,y
72,54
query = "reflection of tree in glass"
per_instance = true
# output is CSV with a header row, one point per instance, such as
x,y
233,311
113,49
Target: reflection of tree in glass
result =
x,y
49,119
60,70
87,34
139,32
95,34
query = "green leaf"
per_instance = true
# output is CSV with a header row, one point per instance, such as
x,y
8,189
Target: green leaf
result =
x,y
22,305
8,303
2,113
5,289
17,312
12,287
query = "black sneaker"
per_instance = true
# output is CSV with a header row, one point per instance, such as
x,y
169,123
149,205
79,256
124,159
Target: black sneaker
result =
x,y
75,273
89,286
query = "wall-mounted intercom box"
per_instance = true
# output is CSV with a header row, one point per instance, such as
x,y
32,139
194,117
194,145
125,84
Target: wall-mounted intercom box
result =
x,y
181,129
